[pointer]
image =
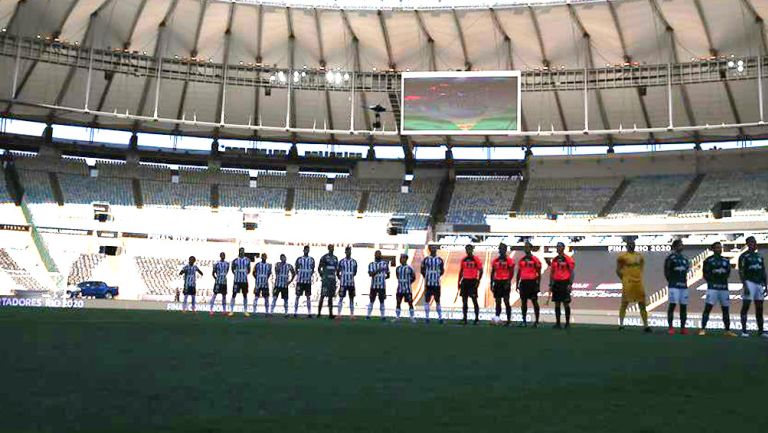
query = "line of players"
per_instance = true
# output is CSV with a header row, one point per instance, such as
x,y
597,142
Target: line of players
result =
x,y
629,269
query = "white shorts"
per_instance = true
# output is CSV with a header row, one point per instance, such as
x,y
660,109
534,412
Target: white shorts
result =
x,y
678,296
718,297
752,291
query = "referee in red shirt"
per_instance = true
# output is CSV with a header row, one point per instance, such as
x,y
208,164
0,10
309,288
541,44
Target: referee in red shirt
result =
x,y
528,282
560,281
470,273
502,270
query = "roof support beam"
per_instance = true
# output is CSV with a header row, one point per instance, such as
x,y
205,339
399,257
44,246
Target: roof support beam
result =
x,y
9,26
591,64
256,90
430,41
510,64
221,100
457,22
713,52
673,47
760,25
323,63
545,62
159,52
291,64
628,59
387,43
356,53
56,33
192,54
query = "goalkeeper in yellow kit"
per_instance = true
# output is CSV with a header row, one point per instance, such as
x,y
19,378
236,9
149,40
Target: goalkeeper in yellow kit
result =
x,y
629,269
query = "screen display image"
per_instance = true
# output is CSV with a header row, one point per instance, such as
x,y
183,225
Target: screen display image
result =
x,y
464,103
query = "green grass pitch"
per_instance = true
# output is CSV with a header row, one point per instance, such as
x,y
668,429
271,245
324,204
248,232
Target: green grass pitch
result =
x,y
141,371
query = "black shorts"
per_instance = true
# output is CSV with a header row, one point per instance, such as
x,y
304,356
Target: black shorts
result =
x,y
328,288
501,289
220,289
529,289
240,288
380,293
261,291
408,296
280,291
469,288
347,289
432,292
303,289
190,291
560,292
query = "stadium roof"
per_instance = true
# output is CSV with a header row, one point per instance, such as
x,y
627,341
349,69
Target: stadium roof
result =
x,y
225,68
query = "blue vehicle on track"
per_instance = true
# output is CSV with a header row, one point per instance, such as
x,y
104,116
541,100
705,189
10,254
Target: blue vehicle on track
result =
x,y
94,289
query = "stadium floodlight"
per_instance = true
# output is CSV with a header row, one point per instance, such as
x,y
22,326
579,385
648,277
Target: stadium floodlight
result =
x,y
346,76
329,76
281,76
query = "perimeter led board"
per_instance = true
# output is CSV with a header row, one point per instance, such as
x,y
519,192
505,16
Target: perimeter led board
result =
x,y
460,103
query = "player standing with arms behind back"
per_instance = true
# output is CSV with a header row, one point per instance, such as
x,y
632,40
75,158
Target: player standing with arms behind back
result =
x,y
717,269
328,267
502,271
752,273
470,273
676,267
378,270
346,273
528,283
629,269
405,278
261,273
190,272
241,267
561,273
220,271
284,275
305,269
432,269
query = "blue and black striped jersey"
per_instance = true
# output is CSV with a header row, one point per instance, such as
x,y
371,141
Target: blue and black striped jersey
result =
x,y
221,269
305,268
282,274
347,272
262,272
433,268
380,271
405,278
241,267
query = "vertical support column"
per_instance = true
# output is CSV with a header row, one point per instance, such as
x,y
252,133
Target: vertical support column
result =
x,y
16,66
586,103
670,125
88,81
760,86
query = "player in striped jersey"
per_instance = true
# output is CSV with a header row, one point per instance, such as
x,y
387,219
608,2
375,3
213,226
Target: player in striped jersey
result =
x,y
327,268
432,269
405,278
220,271
241,267
305,269
284,275
346,272
378,270
190,272
261,273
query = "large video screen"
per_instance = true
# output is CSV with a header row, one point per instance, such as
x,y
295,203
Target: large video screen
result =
x,y
460,103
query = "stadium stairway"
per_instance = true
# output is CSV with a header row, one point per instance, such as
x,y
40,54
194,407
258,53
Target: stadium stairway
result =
x,y
215,196
138,197
614,198
682,202
362,205
13,183
58,195
442,200
517,202
290,200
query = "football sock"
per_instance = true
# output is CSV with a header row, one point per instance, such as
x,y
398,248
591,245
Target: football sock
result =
x,y
351,306
498,307
567,308
381,308
759,315
296,306
726,318
245,304
285,306
509,310
411,312
426,310
193,303
184,304
683,315
232,304
397,312
536,310
705,315
370,309
309,305
670,314
338,308
477,309
439,312
255,304
557,313
213,301
622,312
524,310
330,307
744,312
274,302
464,308
644,315
320,306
